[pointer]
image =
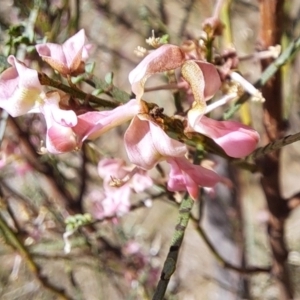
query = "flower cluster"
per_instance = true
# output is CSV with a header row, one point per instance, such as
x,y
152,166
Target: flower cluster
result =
x,y
145,140
114,200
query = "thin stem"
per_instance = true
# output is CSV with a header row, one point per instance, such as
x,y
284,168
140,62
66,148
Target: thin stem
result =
x,y
271,147
184,22
285,56
14,242
45,80
220,259
171,260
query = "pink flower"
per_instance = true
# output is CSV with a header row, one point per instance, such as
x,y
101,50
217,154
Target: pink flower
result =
x,y
110,205
236,139
185,176
147,144
68,58
114,170
202,77
20,89
119,181
66,131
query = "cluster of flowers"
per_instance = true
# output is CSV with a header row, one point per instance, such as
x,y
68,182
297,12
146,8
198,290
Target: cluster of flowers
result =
x,y
145,141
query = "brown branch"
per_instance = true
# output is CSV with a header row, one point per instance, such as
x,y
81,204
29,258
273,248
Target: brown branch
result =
x,y
221,260
83,176
270,34
15,243
57,188
188,9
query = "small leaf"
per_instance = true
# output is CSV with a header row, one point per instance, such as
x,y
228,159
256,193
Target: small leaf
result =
x,y
164,39
69,227
109,77
97,92
90,67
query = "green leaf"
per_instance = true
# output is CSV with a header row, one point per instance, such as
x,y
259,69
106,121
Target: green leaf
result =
x,y
164,39
90,67
109,77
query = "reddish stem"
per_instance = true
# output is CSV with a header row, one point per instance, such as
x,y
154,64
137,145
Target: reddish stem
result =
x,y
270,34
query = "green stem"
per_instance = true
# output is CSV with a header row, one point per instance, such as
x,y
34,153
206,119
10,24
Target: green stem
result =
x,y
108,88
76,93
282,59
171,260
278,144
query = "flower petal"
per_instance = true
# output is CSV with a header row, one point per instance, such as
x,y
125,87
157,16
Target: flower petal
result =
x,y
146,144
112,167
67,58
73,48
165,58
20,88
236,139
211,78
60,139
92,124
63,117
187,176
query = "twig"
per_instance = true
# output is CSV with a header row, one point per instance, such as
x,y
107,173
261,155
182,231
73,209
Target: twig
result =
x,y
271,147
285,56
108,88
162,11
83,175
220,259
118,18
271,14
45,168
171,260
14,242
184,22
76,93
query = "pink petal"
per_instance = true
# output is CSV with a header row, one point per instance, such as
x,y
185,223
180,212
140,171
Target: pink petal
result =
x,y
146,144
19,88
211,78
73,48
236,139
60,139
66,58
141,181
54,55
112,167
204,82
28,78
110,204
116,202
193,74
92,124
187,176
165,58
63,117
